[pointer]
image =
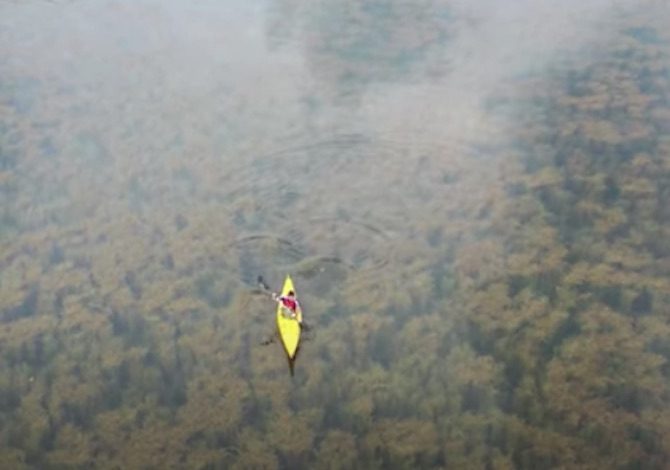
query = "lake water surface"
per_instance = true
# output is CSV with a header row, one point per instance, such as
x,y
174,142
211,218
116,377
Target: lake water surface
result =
x,y
473,199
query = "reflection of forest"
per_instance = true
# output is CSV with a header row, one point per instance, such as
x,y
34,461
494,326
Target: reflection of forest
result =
x,y
391,41
531,332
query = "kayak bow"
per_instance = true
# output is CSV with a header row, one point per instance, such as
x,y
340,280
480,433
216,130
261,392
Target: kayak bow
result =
x,y
289,328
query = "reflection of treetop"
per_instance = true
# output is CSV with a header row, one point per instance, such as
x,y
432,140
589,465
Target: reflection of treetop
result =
x,y
351,44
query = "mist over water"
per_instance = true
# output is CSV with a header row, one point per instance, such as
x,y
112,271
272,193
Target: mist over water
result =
x,y
470,196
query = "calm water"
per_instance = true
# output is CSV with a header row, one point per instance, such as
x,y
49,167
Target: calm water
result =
x,y
472,199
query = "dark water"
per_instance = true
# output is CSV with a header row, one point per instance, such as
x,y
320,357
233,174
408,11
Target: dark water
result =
x,y
473,199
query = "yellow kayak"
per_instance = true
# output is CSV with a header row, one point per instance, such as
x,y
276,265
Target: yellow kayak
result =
x,y
289,328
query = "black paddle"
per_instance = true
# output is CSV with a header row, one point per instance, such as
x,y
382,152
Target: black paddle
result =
x,y
264,286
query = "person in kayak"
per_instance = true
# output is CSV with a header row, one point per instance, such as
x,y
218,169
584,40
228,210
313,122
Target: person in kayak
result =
x,y
289,304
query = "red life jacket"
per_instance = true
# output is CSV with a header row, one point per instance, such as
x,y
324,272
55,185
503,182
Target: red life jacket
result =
x,y
289,303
